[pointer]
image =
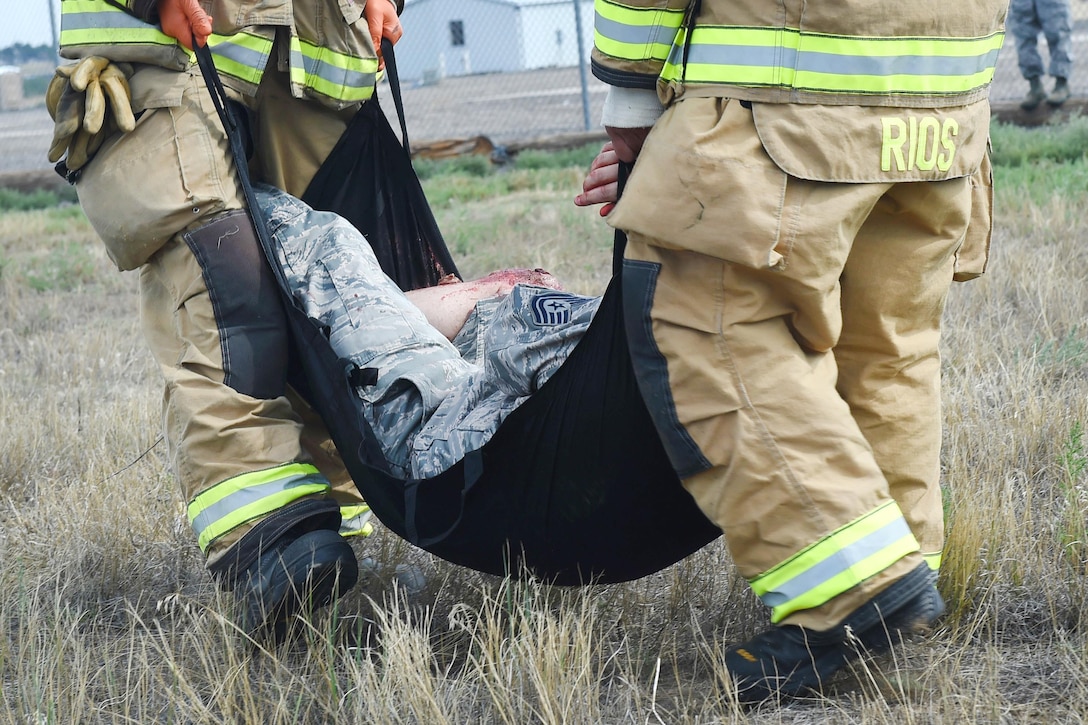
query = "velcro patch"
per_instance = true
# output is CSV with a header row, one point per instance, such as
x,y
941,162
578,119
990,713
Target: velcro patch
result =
x,y
551,309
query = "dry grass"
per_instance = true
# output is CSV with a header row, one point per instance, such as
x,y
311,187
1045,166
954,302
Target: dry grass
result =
x,y
108,615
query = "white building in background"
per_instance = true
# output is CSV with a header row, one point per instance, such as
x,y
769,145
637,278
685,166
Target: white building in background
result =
x,y
11,88
459,37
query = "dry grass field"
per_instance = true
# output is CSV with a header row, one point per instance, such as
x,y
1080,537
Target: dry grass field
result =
x,y
109,617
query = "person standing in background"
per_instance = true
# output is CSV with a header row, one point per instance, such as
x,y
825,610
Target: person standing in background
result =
x,y
1028,18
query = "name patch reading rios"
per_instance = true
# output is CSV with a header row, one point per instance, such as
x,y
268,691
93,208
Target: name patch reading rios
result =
x,y
918,142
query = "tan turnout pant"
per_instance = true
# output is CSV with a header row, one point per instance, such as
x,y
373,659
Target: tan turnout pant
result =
x,y
174,174
798,398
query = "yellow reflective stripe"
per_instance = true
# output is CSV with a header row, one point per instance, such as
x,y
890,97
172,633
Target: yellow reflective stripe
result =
x,y
92,22
673,68
934,560
75,7
836,563
635,34
788,58
336,75
631,51
233,502
242,55
355,520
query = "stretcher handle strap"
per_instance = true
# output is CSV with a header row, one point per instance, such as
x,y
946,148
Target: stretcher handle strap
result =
x,y
233,130
394,88
619,240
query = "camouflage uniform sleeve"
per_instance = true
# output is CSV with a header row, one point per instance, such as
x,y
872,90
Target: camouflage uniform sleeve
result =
x,y
333,273
533,334
523,339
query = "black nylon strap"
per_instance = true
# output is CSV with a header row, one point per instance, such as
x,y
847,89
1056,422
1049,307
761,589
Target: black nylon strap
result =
x,y
394,89
237,143
231,125
472,469
692,12
619,239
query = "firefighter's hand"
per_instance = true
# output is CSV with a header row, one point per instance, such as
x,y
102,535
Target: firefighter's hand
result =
x,y
183,20
88,101
381,18
601,185
627,141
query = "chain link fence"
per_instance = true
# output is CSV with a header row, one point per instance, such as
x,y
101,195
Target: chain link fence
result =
x,y
507,70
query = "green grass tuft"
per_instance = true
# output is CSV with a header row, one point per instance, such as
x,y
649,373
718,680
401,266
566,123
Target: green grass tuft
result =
x,y
13,200
580,158
1018,146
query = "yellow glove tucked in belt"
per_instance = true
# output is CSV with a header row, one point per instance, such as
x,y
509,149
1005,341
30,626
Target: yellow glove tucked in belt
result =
x,y
89,101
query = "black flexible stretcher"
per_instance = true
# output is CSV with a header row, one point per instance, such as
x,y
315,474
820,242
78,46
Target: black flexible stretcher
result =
x,y
574,487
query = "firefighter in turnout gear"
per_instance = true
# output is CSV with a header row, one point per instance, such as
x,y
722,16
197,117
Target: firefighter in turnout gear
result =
x,y
268,499
809,178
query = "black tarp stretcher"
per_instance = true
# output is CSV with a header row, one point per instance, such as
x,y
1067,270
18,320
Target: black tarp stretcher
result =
x,y
574,487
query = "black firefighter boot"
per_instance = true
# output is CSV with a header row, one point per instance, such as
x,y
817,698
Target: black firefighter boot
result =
x,y
1060,93
1036,94
295,576
290,564
788,660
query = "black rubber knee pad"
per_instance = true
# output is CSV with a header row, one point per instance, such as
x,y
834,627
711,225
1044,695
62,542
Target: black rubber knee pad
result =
x,y
246,301
651,369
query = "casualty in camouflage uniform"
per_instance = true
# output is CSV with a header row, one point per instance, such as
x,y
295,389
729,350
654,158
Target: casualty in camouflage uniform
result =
x,y
433,401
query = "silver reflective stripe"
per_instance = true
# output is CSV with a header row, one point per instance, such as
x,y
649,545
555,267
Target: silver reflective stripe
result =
x,y
250,495
98,20
337,76
818,62
241,54
297,59
634,34
912,65
355,521
841,561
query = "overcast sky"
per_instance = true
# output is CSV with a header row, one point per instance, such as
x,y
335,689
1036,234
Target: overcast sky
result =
x,y
27,21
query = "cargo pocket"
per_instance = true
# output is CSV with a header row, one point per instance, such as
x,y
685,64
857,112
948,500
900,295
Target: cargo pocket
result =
x,y
974,253
351,10
168,174
343,32
701,165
